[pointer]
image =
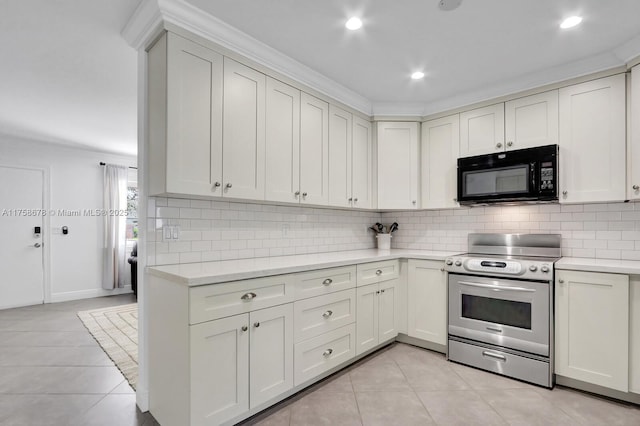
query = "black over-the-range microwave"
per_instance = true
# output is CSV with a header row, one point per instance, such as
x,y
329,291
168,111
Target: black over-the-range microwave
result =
x,y
524,175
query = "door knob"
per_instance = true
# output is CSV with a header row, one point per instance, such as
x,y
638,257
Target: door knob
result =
x,y
297,193
499,145
509,143
37,245
304,194
229,185
216,185
636,187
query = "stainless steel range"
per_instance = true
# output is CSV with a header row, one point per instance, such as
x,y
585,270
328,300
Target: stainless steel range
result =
x,y
501,305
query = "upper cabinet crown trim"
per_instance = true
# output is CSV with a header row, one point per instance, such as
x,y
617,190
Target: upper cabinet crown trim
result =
x,y
150,17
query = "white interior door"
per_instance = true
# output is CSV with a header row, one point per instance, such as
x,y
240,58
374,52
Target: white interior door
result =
x,y
21,259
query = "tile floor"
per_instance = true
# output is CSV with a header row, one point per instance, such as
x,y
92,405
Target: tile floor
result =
x,y
52,372
405,385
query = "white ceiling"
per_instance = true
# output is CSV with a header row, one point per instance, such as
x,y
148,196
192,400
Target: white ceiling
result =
x,y
69,76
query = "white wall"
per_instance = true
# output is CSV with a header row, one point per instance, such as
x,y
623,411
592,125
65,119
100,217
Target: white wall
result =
x,y
75,184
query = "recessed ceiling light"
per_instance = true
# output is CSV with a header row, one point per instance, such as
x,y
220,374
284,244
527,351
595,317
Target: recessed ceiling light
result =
x,y
353,23
570,22
417,75
448,5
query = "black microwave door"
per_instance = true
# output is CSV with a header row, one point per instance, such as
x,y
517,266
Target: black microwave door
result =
x,y
496,177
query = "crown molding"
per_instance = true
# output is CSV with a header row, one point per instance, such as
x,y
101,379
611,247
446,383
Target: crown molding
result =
x,y
150,16
557,74
398,109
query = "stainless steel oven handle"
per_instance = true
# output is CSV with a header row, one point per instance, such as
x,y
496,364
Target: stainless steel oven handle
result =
x,y
497,287
494,355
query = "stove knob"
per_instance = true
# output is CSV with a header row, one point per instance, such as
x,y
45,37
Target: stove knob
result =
x,y
458,263
449,262
533,268
544,268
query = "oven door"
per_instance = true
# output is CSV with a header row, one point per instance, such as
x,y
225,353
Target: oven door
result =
x,y
509,313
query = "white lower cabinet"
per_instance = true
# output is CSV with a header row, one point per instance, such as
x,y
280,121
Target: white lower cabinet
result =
x,y
376,314
427,301
240,362
592,328
634,334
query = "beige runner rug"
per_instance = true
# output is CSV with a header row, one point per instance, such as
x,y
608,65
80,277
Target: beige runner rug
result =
x,y
116,330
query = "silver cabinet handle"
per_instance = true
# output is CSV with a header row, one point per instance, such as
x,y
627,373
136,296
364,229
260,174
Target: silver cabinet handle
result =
x,y
510,143
244,328
441,269
304,194
414,202
494,355
217,185
228,185
249,296
327,281
350,199
327,352
378,272
327,314
381,291
37,245
378,292
564,193
256,324
355,200
297,193
497,287
560,281
636,187
499,145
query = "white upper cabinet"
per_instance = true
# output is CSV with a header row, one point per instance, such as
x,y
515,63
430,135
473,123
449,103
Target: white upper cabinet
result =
x,y
314,150
592,141
340,131
282,168
439,151
633,186
532,121
185,117
361,164
482,130
243,131
398,164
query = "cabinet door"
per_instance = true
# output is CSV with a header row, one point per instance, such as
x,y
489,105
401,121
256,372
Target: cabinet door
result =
x,y
194,118
340,131
592,328
367,318
633,187
592,141
244,131
532,121
271,357
282,168
361,164
440,147
314,150
482,130
398,164
634,334
387,314
219,370
427,310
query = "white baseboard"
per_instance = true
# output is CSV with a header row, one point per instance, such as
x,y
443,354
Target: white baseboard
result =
x,y
142,399
87,294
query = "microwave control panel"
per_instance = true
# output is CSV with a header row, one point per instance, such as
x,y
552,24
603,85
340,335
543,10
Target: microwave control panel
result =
x,y
547,176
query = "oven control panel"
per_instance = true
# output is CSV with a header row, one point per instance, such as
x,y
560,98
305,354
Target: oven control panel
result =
x,y
520,268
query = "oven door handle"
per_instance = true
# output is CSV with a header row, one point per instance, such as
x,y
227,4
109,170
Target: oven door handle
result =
x,y
497,287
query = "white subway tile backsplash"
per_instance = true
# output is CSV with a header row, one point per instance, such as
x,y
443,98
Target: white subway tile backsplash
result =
x,y
218,230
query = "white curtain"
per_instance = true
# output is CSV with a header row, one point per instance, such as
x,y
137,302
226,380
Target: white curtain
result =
x,y
115,224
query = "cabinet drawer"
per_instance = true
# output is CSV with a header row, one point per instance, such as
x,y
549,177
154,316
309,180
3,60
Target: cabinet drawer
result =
x,y
371,273
318,315
322,353
324,281
222,300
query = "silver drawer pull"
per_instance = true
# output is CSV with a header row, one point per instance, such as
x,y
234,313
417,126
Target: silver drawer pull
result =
x,y
327,281
327,314
248,296
256,324
244,328
497,287
494,355
327,352
378,272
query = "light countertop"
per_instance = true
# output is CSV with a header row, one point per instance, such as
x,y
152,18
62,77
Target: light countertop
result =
x,y
613,266
194,274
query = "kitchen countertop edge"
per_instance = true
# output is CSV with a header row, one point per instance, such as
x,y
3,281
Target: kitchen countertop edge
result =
x,y
613,266
203,273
